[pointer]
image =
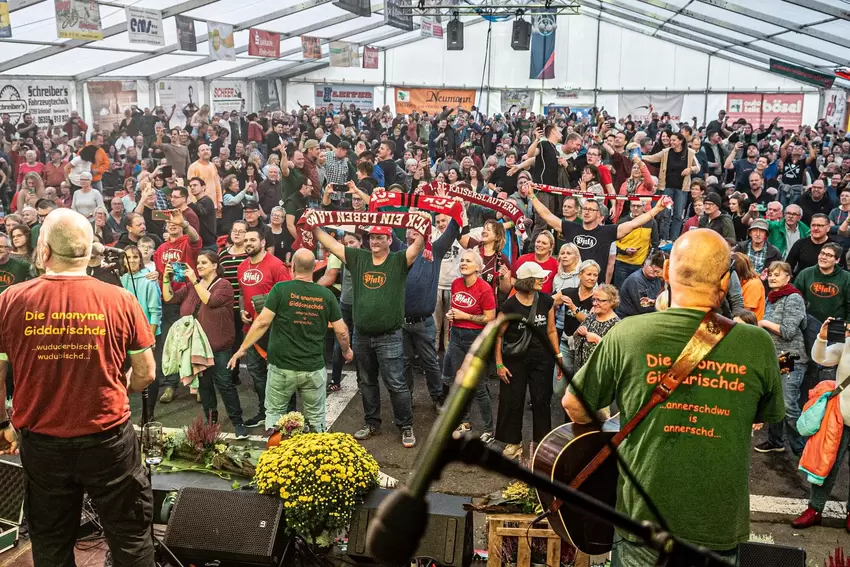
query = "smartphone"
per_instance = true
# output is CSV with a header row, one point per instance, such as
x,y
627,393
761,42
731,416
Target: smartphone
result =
x,y
835,331
635,153
761,208
161,215
167,171
179,271
340,187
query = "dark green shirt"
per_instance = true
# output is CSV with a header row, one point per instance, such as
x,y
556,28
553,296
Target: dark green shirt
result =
x,y
691,453
378,305
14,271
826,295
292,183
302,313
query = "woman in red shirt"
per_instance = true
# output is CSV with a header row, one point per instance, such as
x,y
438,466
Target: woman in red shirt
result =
x,y
473,306
544,244
210,299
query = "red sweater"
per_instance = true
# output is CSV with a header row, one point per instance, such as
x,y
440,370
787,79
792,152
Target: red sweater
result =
x,y
216,317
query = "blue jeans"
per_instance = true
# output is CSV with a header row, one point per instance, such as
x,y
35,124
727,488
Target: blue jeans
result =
x,y
383,355
459,342
338,360
671,224
776,432
622,271
420,338
258,371
820,494
281,387
218,378
630,554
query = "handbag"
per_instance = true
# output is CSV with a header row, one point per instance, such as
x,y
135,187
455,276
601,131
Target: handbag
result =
x,y
810,420
520,345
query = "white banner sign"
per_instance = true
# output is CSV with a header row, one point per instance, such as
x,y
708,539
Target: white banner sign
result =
x,y
45,100
836,107
145,26
431,27
344,96
78,19
228,96
641,106
221,41
184,95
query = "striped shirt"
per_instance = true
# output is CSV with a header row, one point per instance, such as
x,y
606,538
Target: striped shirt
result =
x,y
230,264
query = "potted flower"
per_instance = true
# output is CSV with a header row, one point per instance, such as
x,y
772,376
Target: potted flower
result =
x,y
320,477
289,424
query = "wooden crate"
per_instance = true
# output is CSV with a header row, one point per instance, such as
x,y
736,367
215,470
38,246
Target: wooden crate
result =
x,y
497,530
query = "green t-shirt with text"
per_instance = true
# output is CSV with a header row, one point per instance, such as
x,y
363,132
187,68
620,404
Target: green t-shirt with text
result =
x,y
13,272
302,313
378,305
691,453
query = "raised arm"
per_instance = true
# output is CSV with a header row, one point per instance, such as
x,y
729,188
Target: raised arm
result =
x,y
544,213
625,228
330,243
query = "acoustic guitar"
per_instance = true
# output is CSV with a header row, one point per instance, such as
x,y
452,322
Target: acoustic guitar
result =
x,y
564,453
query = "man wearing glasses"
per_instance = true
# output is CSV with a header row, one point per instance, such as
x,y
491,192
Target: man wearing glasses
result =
x,y
783,231
825,287
805,252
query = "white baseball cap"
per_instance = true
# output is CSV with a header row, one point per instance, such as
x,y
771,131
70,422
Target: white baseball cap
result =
x,y
531,270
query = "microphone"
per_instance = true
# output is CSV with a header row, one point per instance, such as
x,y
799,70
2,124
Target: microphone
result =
x,y
400,522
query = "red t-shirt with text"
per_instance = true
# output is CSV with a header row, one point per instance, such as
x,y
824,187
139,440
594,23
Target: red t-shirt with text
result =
x,y
180,250
472,300
67,338
551,264
259,278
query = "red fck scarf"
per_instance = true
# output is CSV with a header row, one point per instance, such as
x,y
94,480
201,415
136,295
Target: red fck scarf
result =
x,y
441,205
313,218
505,206
585,195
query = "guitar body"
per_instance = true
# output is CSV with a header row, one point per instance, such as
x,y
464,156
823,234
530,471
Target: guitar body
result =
x,y
561,456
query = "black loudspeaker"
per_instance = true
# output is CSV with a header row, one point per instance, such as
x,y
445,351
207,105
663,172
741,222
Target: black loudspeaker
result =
x,y
235,528
521,36
753,554
447,539
454,35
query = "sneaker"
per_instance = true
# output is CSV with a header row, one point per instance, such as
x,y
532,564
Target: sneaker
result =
x,y
167,395
807,519
768,447
512,451
255,421
407,437
365,432
440,406
241,432
464,428
487,438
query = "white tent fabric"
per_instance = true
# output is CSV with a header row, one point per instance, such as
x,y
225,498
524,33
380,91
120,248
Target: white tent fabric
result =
x,y
603,46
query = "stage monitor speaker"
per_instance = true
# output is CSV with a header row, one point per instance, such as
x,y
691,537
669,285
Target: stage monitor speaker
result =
x,y
447,540
521,36
454,35
753,554
235,528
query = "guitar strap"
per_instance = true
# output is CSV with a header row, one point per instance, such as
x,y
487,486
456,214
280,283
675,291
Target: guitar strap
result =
x,y
710,332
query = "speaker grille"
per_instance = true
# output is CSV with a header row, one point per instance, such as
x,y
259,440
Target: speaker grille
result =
x,y
214,524
765,555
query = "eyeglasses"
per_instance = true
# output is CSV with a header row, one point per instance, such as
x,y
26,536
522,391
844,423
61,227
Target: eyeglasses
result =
x,y
595,300
238,232
819,226
790,214
827,255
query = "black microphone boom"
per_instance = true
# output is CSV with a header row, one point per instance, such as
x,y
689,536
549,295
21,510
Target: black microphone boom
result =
x,y
394,533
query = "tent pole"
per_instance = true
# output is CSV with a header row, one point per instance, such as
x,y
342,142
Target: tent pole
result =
x,y
596,74
705,102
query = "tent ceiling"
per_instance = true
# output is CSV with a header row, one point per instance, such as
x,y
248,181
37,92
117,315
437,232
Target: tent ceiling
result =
x,y
809,33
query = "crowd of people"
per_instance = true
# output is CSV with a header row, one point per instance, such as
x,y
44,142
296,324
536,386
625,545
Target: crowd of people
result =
x,y
202,223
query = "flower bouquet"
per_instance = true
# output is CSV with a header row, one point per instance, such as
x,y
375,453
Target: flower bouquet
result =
x,y
289,425
201,447
320,477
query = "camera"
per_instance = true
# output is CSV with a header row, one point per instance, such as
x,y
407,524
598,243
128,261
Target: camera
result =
x,y
835,331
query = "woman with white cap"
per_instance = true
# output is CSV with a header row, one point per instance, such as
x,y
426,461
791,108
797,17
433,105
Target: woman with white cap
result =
x,y
525,360
87,199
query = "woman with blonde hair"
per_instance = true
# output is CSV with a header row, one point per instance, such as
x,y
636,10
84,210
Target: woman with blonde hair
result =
x,y
566,277
601,319
32,189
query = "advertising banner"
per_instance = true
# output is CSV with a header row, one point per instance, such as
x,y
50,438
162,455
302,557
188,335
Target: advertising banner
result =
x,y
543,28
360,7
182,94
78,19
517,98
186,33
221,42
5,22
396,17
641,106
145,26
109,100
836,107
263,44
268,95
344,54
228,96
345,95
311,47
45,100
431,27
432,101
797,73
370,57
760,109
